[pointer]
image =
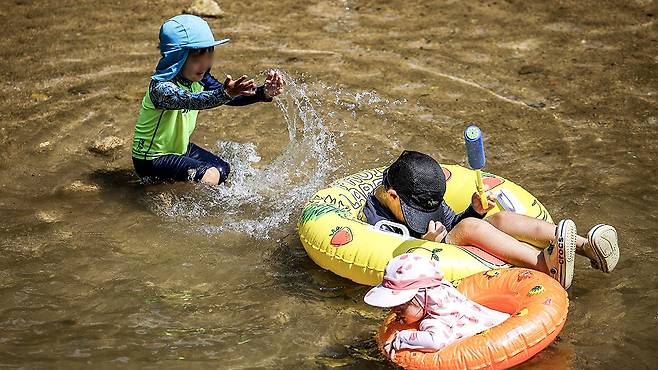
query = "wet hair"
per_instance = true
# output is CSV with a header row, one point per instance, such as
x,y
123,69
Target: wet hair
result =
x,y
202,51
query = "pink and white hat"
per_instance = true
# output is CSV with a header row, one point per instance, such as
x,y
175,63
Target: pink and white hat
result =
x,y
404,275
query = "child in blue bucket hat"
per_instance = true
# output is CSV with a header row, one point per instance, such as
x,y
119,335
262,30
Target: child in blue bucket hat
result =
x,y
180,87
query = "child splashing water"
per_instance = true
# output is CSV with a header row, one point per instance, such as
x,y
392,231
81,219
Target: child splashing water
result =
x,y
414,288
182,85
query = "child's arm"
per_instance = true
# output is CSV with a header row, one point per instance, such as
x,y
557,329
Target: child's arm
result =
x,y
167,95
432,336
210,83
475,209
437,230
259,96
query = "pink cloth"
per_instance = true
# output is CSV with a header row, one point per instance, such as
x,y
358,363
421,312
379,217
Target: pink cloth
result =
x,y
449,315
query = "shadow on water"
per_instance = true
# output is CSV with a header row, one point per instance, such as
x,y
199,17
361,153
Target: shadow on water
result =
x,y
293,270
299,276
362,353
119,180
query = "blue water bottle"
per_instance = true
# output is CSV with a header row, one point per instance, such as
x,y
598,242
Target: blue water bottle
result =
x,y
476,158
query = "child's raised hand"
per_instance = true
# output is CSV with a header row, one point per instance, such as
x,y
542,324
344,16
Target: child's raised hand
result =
x,y
476,203
242,86
436,231
273,83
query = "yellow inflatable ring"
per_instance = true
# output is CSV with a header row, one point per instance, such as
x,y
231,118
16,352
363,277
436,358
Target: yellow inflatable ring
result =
x,y
334,233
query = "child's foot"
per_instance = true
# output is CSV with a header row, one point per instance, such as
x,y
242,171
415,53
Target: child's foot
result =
x,y
602,248
559,256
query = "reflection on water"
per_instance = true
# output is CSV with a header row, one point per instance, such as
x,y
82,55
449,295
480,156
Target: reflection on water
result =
x,y
97,270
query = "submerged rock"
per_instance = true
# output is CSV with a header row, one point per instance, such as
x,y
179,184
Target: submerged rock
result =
x,y
39,97
530,69
536,104
49,216
205,8
79,186
107,145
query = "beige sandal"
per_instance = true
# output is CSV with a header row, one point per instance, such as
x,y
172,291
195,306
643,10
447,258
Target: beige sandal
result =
x,y
560,256
602,247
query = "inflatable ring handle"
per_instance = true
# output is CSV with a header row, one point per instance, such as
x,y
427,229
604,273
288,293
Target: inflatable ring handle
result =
x,y
507,201
394,225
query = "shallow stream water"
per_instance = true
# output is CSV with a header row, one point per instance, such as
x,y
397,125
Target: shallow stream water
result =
x,y
99,270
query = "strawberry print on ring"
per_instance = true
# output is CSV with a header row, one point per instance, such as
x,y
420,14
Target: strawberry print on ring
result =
x,y
340,236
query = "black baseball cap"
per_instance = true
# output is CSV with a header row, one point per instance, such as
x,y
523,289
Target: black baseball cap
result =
x,y
420,183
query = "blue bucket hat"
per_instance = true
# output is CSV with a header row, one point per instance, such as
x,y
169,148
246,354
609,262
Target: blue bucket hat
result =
x,y
177,36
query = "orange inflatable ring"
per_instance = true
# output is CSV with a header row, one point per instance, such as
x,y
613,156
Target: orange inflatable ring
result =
x,y
537,303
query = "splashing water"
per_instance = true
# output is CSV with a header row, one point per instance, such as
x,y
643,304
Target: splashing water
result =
x,y
257,201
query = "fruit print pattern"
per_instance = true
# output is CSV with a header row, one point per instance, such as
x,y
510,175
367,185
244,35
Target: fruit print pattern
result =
x,y
340,236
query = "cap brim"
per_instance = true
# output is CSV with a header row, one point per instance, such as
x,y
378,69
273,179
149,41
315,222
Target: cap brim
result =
x,y
381,296
419,220
207,44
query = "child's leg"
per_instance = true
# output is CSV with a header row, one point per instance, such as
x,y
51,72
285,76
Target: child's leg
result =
x,y
182,168
196,152
529,229
557,260
601,246
481,234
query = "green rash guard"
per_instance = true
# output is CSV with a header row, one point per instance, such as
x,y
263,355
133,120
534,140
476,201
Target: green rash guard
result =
x,y
159,131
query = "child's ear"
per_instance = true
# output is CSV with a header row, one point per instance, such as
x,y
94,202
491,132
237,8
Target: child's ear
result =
x,y
392,194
